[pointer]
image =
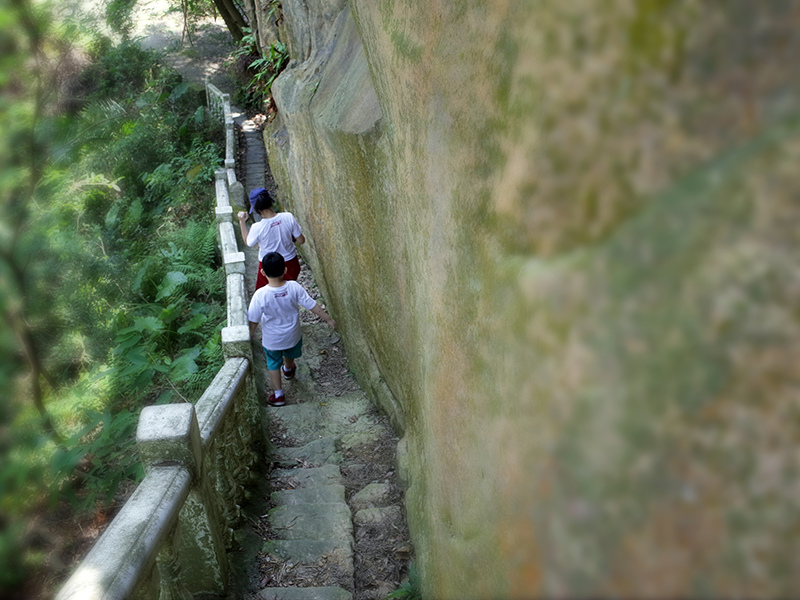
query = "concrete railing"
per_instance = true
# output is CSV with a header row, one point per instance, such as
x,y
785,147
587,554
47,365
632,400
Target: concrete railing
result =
x,y
219,104
170,538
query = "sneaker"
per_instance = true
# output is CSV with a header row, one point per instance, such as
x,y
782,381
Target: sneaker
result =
x,y
273,401
290,373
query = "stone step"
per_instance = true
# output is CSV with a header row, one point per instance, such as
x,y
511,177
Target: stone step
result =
x,y
323,562
326,521
373,495
310,495
337,554
314,454
309,421
318,593
300,478
385,516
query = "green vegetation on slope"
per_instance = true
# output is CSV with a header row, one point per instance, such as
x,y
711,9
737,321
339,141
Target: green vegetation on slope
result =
x,y
110,293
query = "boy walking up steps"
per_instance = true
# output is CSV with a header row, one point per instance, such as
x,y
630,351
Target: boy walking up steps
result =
x,y
275,232
277,307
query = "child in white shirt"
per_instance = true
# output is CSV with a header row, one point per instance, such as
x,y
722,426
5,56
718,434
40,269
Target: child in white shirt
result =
x,y
275,232
277,307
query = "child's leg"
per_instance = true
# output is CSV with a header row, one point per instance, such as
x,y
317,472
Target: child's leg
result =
x,y
275,382
288,359
292,269
288,367
273,367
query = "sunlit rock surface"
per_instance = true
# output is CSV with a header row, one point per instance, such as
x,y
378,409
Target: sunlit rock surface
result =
x,y
561,240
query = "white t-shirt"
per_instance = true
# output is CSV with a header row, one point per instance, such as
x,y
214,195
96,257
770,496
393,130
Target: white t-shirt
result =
x,y
275,235
278,310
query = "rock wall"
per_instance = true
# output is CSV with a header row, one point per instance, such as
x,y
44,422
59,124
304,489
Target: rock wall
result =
x,y
561,241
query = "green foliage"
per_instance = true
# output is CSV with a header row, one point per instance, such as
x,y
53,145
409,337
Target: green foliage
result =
x,y
108,255
119,16
119,71
275,10
175,335
408,590
261,70
100,456
247,45
269,67
10,556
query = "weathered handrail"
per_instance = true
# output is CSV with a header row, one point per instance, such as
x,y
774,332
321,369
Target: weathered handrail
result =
x,y
171,536
219,104
112,570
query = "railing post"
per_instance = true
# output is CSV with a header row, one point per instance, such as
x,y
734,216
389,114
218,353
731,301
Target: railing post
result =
x,y
223,209
169,434
236,342
235,187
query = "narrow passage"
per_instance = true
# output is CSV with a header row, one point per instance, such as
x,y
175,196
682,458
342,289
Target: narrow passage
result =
x,y
327,521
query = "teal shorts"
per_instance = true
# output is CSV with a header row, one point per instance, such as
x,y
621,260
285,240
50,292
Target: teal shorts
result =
x,y
275,357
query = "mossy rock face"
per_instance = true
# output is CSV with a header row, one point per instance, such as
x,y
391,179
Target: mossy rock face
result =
x,y
560,240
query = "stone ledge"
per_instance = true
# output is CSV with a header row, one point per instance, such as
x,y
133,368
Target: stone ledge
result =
x,y
234,263
236,342
309,495
325,475
223,214
326,521
169,433
314,454
311,551
319,593
129,545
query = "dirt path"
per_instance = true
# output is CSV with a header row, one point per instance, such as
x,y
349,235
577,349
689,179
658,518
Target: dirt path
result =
x,y
204,53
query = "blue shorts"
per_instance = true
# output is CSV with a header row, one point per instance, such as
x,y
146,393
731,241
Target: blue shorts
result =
x,y
275,357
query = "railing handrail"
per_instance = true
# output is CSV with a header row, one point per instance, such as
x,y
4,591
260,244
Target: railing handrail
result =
x,y
219,104
112,570
179,443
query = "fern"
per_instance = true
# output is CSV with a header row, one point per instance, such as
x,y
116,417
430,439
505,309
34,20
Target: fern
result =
x,y
408,590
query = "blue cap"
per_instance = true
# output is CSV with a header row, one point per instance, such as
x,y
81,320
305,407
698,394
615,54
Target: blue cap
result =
x,y
253,195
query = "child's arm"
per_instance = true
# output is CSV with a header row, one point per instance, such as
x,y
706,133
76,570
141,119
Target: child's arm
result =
x,y
243,225
253,327
320,312
300,240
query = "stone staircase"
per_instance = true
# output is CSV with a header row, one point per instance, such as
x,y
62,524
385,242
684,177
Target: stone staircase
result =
x,y
256,163
332,488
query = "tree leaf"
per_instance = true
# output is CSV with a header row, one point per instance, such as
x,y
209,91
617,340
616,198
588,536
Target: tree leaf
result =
x,y
184,365
195,322
148,324
172,281
179,91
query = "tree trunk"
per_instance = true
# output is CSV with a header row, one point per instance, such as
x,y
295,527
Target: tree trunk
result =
x,y
24,334
234,20
35,30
